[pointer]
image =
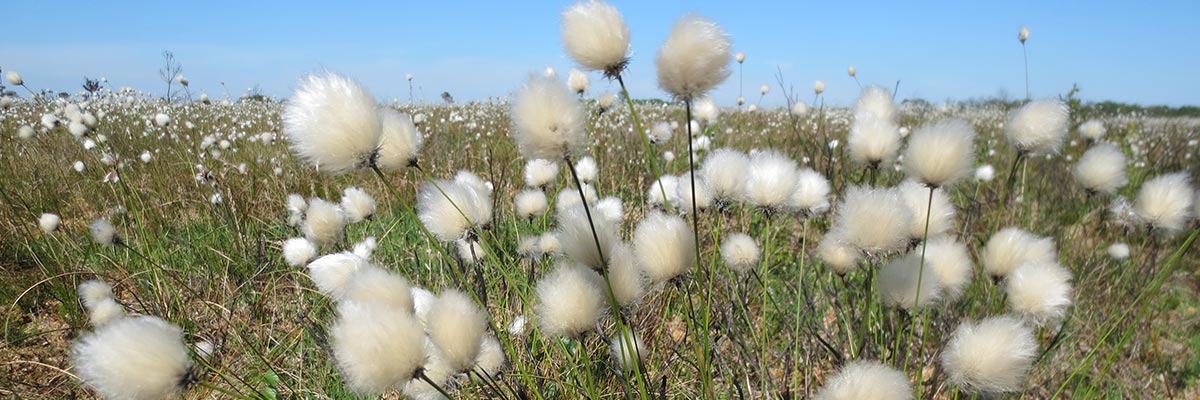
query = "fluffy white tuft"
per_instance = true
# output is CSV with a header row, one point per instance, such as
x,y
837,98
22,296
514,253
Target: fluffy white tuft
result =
x,y
450,209
133,358
1093,130
549,244
548,120
49,223
624,276
812,192
587,169
332,123
332,273
365,248
539,172
456,326
1040,292
595,36
574,233
568,198
377,286
740,252
660,133
570,300
104,233
626,349
949,260
1038,126
941,211
324,222
694,59
666,185
491,360
941,153
863,380
725,172
530,203
357,204
1011,247
902,283
93,291
1101,169
105,311
1165,202
1119,251
873,220
706,110
703,194
770,180
837,254
992,355
985,173
611,209
874,138
399,140
375,347
297,251
664,245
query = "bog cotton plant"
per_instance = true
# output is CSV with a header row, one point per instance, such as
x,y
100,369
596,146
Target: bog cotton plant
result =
x,y
874,221
1037,127
1039,291
357,204
1165,202
452,210
990,356
49,222
770,180
811,195
664,246
740,252
1093,130
548,122
725,170
141,358
331,122
836,254
540,173
375,347
1101,169
902,283
578,81
324,222
399,140
874,138
865,379
694,59
570,300
457,325
594,34
940,154
1012,247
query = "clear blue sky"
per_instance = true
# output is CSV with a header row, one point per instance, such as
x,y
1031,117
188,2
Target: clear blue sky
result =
x,y
1137,51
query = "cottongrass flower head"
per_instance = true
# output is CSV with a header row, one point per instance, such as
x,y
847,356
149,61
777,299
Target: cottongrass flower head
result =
x,y
812,192
549,244
664,191
570,300
940,154
770,180
14,78
948,259
940,211
453,209
375,347
456,326
627,350
104,233
875,221
491,360
568,198
530,203
380,287
874,138
399,140
740,252
706,110
991,356
332,123
660,133
578,81
725,172
587,169
625,277
836,254
1038,126
862,379
547,119
1011,247
595,36
365,248
902,283
611,208
1040,292
49,223
324,222
985,173
97,298
1092,130
133,358
818,87
298,251
161,120
1118,251
702,198
1165,202
470,251
1023,34
1101,169
575,238
357,204
332,273
665,246
540,172
799,109
694,59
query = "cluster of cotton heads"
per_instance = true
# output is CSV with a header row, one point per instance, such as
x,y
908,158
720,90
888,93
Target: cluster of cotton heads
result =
x,y
766,179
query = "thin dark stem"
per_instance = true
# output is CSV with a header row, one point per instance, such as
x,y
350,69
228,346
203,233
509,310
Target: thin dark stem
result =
x,y
421,375
1012,176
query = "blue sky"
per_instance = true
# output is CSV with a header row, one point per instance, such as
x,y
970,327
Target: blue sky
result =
x,y
1143,52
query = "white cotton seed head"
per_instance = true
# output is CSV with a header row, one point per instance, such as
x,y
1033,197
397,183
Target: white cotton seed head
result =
x,y
324,222
876,101
331,122
437,370
1165,202
861,380
162,120
949,260
1023,34
297,251
1040,292
549,244
799,109
985,173
595,36
941,211
381,287
903,284
539,172
694,59
611,209
357,204
1119,251
578,81
941,153
837,254
141,358
1101,169
491,360
476,183
725,172
874,138
570,300
456,326
105,311
606,101
818,87
49,223
574,234
296,203
399,141
703,196
375,347
332,273
365,248
451,209
587,169
660,133
664,245
812,192
14,78
548,121
626,349
705,109
104,233
1093,130
770,180
1038,126
530,203
1011,247
25,132
873,220
93,291
624,276
740,252
992,355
